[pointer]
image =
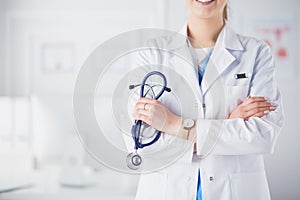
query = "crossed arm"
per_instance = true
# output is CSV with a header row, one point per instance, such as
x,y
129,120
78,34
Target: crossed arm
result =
x,y
156,114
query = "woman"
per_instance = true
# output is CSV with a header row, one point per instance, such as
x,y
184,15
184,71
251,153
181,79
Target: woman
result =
x,y
233,166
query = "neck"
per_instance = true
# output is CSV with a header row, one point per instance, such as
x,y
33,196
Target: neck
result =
x,y
204,32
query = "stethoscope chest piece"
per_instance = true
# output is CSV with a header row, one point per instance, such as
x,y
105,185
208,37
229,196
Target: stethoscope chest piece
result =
x,y
134,161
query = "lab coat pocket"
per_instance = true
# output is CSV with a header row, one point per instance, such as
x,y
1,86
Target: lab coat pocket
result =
x,y
249,186
152,186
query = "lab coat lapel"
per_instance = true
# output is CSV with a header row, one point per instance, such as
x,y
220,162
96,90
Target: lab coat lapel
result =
x,y
220,60
221,57
183,61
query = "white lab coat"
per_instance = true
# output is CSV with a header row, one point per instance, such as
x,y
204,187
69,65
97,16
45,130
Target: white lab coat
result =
x,y
229,151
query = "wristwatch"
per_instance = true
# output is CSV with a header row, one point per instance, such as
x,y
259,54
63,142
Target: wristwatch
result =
x,y
187,125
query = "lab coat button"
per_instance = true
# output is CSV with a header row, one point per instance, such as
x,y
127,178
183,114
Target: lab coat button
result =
x,y
211,178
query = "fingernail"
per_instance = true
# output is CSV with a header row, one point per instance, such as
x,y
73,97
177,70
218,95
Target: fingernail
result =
x,y
248,97
266,98
272,108
274,104
266,111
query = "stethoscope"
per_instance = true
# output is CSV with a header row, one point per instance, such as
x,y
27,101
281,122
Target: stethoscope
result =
x,y
134,160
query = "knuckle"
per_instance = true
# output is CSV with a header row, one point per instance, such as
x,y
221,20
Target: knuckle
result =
x,y
144,119
149,120
260,114
153,108
243,107
243,115
156,101
139,105
138,110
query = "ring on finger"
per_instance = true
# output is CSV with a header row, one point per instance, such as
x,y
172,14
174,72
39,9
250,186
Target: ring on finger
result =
x,y
145,106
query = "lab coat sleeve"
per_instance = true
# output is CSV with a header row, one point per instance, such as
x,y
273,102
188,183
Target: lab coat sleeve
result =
x,y
255,136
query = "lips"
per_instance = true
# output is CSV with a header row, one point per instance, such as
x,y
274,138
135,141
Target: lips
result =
x,y
204,2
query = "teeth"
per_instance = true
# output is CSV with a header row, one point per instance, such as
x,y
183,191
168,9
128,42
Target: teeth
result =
x,y
203,1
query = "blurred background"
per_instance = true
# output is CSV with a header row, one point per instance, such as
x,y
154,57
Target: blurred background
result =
x,y
42,45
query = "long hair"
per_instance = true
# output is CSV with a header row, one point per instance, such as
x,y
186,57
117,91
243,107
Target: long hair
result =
x,y
225,13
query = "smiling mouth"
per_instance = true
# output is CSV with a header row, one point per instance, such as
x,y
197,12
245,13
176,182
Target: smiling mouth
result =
x,y
204,2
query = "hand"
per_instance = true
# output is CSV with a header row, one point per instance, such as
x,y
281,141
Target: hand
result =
x,y
252,107
157,115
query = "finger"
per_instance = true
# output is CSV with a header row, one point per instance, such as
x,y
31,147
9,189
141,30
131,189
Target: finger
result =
x,y
146,103
272,108
256,111
147,100
260,114
253,100
142,106
260,98
267,105
142,112
144,118
255,105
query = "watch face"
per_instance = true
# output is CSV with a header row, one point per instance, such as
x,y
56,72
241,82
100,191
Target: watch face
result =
x,y
188,123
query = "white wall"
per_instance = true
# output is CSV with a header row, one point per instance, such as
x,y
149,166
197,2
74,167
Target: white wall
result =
x,y
30,22
3,76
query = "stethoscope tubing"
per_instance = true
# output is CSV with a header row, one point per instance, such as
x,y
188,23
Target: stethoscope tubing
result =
x,y
136,128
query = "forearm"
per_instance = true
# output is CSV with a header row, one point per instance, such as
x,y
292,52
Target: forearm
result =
x,y
227,136
237,137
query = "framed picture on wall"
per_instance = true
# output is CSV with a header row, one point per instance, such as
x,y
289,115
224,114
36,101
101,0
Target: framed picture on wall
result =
x,y
57,57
